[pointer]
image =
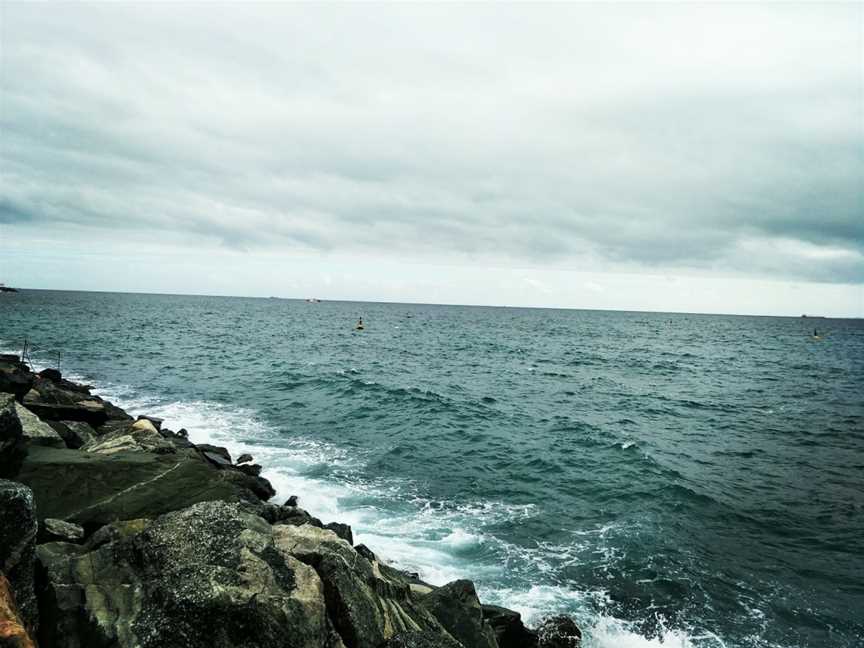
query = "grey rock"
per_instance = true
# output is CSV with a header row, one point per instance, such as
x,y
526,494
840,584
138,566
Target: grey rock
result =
x,y
15,377
212,452
53,375
74,433
35,431
341,530
141,436
18,528
157,422
421,639
53,530
209,576
13,445
509,630
244,458
457,608
253,470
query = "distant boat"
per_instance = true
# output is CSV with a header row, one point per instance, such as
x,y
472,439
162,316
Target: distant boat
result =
x,y
813,316
6,289
313,300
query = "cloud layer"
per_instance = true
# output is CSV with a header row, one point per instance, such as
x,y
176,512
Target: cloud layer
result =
x,y
725,139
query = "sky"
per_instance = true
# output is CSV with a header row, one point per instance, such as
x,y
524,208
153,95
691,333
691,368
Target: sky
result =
x,y
674,157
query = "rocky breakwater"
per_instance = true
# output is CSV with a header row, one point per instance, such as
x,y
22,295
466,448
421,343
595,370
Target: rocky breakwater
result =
x,y
117,532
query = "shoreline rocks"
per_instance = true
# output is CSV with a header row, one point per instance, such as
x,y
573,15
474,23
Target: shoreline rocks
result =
x,y
119,532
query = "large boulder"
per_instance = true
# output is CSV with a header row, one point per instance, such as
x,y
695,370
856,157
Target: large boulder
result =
x,y
35,431
458,609
509,630
141,436
209,576
366,607
13,445
15,377
18,528
13,633
74,433
95,489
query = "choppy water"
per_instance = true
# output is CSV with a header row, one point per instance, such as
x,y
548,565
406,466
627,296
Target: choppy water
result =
x,y
675,480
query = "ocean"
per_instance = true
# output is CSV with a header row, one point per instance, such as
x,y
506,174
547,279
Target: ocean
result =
x,y
667,479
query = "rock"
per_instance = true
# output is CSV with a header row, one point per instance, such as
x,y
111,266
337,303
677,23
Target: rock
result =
x,y
90,411
18,529
366,608
15,377
177,439
13,445
74,433
509,630
244,458
209,576
291,501
421,639
13,633
140,436
35,431
53,375
250,469
225,456
295,516
341,530
118,530
145,425
457,608
157,422
95,489
52,530
262,488
559,632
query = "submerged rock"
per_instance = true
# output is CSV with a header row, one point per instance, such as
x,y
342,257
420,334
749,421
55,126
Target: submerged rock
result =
x,y
13,445
209,576
559,632
457,608
18,529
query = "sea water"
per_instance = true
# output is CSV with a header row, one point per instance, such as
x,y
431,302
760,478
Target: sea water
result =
x,y
667,479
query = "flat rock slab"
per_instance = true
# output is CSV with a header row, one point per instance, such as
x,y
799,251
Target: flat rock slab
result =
x,y
35,431
92,490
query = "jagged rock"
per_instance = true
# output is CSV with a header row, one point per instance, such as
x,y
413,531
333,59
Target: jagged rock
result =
x,y
157,422
421,639
74,433
457,608
209,576
366,608
291,501
13,445
250,469
177,439
15,377
35,431
341,530
93,489
140,436
18,529
224,457
262,488
89,410
53,375
559,632
509,630
119,530
244,458
115,413
52,530
13,633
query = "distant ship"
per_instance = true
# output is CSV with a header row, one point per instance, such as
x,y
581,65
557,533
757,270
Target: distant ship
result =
x,y
313,300
6,289
813,316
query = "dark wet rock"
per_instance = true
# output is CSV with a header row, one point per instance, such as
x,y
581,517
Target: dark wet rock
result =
x,y
295,516
95,489
209,576
74,433
509,630
18,528
216,450
291,501
262,488
89,410
366,608
37,432
559,632
114,413
157,422
457,608
13,631
244,458
15,377
253,470
341,530
52,530
13,445
53,375
366,552
421,639
177,439
115,531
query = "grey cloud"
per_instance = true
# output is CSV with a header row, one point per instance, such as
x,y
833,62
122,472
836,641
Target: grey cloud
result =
x,y
406,132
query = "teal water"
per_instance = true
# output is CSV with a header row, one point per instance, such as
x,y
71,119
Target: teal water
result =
x,y
670,480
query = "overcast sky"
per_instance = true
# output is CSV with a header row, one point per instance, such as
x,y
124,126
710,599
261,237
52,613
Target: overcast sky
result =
x,y
663,157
